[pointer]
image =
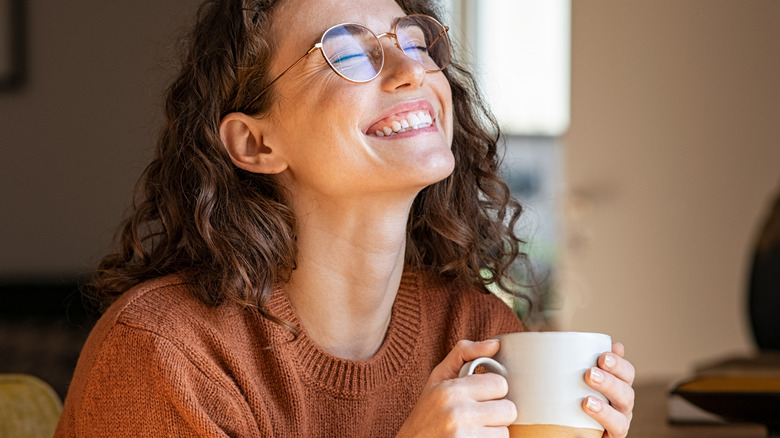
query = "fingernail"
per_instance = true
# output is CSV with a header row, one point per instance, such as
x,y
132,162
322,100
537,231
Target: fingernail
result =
x,y
609,361
596,375
594,404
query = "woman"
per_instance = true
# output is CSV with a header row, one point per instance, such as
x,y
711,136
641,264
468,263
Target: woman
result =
x,y
310,250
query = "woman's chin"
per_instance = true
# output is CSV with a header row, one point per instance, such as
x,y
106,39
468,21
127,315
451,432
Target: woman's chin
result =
x,y
434,169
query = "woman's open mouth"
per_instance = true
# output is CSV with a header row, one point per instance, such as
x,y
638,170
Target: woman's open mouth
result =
x,y
399,123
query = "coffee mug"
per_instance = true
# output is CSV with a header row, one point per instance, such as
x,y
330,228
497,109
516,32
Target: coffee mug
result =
x,y
546,376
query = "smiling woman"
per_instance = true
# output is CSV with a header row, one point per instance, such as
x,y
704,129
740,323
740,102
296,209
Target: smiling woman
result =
x,y
317,262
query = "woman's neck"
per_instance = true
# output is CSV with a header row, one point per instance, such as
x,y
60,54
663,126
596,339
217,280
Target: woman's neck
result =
x,y
349,267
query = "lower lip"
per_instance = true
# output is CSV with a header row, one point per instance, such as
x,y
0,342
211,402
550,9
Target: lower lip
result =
x,y
405,134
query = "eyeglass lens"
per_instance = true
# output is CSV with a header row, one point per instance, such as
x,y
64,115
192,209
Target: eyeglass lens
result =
x,y
353,51
425,41
356,53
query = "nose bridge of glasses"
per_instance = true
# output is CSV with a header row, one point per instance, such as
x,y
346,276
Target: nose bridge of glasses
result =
x,y
391,35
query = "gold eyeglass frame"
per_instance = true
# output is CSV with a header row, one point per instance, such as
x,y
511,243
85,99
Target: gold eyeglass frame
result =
x,y
392,34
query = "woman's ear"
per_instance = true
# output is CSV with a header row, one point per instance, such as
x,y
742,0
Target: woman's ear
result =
x,y
245,141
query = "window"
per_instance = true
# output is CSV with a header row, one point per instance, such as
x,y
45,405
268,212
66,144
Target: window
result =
x,y
520,53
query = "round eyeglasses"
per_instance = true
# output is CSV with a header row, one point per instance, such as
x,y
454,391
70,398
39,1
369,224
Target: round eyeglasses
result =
x,y
355,53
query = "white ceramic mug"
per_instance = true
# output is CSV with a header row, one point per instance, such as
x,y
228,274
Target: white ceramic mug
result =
x,y
546,376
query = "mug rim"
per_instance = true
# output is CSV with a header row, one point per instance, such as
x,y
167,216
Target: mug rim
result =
x,y
553,334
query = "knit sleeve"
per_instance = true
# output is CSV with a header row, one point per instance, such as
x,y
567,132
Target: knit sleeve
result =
x,y
140,384
483,316
498,318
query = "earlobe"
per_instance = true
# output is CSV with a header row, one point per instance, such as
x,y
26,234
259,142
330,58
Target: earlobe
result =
x,y
245,142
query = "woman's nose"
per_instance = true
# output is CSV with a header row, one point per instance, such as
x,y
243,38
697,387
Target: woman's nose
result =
x,y
400,71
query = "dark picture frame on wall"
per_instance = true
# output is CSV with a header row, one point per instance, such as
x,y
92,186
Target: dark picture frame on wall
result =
x,y
12,44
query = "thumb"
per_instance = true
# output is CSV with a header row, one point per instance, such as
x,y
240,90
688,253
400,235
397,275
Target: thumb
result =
x,y
463,352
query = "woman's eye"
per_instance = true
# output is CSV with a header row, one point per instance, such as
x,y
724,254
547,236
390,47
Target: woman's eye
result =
x,y
414,41
416,47
346,58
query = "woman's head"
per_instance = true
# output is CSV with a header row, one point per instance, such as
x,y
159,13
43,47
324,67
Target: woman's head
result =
x,y
299,23
203,209
319,136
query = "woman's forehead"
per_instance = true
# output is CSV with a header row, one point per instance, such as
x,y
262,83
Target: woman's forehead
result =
x,y
298,24
310,18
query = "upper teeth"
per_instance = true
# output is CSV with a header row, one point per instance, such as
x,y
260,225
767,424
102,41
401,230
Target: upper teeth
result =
x,y
415,120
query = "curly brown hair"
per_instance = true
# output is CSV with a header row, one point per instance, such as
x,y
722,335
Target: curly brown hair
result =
x,y
232,233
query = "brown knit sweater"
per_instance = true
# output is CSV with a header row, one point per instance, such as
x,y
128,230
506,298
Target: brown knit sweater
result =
x,y
161,363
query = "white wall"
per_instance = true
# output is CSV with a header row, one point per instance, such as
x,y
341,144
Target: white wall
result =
x,y
672,159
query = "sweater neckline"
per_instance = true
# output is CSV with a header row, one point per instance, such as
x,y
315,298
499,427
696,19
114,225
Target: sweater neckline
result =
x,y
353,378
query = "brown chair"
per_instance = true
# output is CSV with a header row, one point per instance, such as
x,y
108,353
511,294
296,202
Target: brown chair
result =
x,y
29,407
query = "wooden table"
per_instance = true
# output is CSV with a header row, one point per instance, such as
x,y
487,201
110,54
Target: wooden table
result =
x,y
650,420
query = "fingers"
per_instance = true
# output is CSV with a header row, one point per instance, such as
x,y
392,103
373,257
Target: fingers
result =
x,y
615,423
473,402
493,413
467,406
619,349
478,387
616,365
613,377
463,352
619,393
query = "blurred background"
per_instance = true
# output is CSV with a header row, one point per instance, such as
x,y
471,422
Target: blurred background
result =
x,y
646,181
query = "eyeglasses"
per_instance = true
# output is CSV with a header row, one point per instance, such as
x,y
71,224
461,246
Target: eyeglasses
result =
x,y
355,53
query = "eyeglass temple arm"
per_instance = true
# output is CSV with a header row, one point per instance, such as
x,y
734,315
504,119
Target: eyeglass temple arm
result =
x,y
441,34
316,46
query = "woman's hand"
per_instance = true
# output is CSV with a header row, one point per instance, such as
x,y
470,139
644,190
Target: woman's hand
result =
x,y
613,378
469,406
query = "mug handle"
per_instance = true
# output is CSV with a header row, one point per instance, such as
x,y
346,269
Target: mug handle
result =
x,y
491,364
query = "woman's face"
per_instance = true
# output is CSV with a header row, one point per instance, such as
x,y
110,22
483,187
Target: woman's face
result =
x,y
325,126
